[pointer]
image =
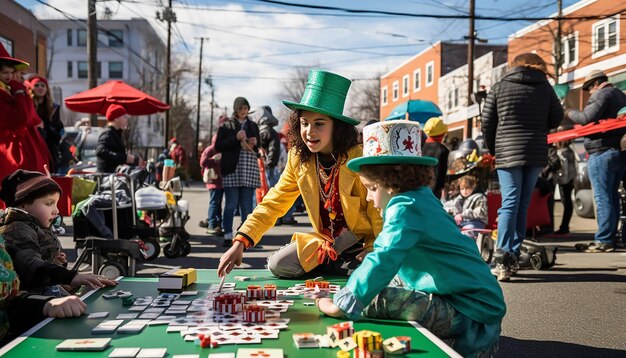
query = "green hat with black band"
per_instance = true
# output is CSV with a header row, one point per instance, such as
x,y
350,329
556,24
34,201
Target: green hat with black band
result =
x,y
325,93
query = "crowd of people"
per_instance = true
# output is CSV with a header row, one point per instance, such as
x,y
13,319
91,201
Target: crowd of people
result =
x,y
377,201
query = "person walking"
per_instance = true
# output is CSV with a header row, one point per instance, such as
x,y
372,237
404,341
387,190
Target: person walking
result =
x,y
210,160
606,162
518,113
238,139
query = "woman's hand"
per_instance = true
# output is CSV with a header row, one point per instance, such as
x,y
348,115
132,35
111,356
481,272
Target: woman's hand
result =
x,y
241,135
230,259
328,307
70,306
60,259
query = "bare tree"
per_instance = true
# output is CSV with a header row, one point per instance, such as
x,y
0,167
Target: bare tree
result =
x,y
364,99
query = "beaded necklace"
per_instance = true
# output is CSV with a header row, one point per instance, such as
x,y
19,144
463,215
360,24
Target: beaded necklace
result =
x,y
326,186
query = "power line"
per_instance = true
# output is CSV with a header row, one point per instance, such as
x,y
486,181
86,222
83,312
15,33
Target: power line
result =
x,y
440,16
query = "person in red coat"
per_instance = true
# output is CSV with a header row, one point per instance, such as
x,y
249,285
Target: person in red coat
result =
x,y
21,145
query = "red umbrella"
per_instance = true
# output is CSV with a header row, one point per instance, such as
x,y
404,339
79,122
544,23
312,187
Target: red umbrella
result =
x,y
98,99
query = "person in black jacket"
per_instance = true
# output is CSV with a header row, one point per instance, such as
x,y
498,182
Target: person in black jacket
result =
x,y
606,162
434,147
111,150
518,112
238,139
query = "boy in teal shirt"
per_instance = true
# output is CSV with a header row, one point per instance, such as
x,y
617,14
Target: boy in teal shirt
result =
x,y
422,268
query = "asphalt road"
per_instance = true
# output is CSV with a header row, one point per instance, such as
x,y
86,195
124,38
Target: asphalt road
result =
x,y
575,309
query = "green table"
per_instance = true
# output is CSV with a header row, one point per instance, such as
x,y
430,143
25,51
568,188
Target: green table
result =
x,y
42,339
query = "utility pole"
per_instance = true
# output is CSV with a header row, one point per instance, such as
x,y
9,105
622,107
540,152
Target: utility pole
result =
x,y
209,81
195,155
168,16
92,51
558,45
470,64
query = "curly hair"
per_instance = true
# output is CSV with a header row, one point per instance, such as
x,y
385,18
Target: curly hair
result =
x,y
344,137
399,177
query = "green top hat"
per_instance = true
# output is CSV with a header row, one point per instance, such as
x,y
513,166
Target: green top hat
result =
x,y
392,142
325,93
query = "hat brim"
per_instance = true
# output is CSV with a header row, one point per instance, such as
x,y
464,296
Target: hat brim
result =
x,y
19,65
356,163
296,106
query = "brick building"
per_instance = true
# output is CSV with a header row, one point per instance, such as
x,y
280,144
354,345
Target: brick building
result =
x,y
24,36
587,44
418,77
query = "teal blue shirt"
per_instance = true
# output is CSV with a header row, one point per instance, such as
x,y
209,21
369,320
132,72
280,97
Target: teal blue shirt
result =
x,y
422,244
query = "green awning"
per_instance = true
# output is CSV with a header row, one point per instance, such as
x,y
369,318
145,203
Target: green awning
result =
x,y
562,89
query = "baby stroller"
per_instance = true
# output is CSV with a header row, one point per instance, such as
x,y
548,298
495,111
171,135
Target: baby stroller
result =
x,y
110,254
168,213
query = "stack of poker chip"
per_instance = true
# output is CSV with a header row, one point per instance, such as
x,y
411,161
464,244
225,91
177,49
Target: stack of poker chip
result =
x,y
362,353
229,302
254,292
369,344
269,292
406,341
339,331
323,285
253,313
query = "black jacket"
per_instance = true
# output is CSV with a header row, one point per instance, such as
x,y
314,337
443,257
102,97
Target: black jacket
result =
x,y
441,152
518,112
270,142
111,150
227,143
603,104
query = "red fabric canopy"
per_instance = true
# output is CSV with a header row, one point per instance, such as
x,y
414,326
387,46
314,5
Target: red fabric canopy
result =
x,y
587,129
98,99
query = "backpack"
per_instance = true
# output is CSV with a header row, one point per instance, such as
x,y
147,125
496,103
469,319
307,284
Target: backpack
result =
x,y
567,171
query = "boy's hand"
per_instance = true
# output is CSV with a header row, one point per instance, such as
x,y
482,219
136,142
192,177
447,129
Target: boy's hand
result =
x,y
458,218
61,259
70,306
92,281
230,259
328,307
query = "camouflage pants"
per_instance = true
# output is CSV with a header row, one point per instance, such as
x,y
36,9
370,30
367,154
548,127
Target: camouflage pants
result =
x,y
431,311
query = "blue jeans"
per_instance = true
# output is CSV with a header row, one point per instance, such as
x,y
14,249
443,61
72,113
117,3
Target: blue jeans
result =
x,y
215,207
236,197
605,173
516,185
272,175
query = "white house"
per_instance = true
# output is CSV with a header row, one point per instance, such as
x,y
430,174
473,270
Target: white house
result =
x,y
128,50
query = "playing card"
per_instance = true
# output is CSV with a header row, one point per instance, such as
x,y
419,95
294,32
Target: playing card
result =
x,y
181,302
259,352
248,340
137,308
126,316
172,329
189,293
149,315
347,344
98,315
221,355
266,334
124,352
84,344
392,345
152,353
322,341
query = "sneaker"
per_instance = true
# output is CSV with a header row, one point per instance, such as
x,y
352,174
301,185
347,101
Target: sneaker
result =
x,y
215,231
502,272
204,223
595,247
227,243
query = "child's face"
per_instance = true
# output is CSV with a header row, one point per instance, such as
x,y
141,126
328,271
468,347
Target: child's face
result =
x,y
466,190
316,130
242,112
44,209
376,193
6,74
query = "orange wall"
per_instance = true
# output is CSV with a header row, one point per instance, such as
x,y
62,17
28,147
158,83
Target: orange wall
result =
x,y
428,93
541,39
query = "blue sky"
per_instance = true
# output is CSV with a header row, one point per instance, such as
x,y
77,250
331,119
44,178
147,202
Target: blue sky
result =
x,y
254,54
